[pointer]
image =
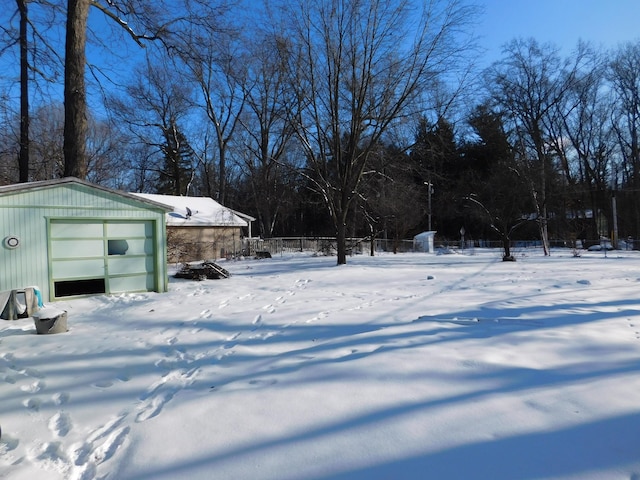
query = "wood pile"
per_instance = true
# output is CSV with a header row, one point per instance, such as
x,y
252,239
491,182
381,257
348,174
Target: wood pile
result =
x,y
202,271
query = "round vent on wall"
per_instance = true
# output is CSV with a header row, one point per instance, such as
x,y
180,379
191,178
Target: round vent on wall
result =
x,y
11,241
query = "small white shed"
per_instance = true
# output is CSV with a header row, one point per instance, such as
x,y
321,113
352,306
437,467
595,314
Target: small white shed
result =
x,y
423,242
69,237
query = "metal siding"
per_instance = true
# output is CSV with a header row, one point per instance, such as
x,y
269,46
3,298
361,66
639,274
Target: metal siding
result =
x,y
27,264
27,213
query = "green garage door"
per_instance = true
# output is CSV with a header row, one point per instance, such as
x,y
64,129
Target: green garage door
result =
x,y
101,256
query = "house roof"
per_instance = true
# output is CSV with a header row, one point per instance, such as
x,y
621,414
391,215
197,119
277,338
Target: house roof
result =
x,y
44,184
196,211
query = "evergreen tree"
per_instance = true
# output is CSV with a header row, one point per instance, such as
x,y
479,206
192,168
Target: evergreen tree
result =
x,y
496,192
177,170
435,158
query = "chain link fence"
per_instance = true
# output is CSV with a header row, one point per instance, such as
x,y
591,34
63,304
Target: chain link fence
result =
x,y
362,246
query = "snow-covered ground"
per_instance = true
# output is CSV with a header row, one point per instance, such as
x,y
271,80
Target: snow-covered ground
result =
x,y
410,366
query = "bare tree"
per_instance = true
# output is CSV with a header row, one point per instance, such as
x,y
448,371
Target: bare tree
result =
x,y
267,133
8,141
584,141
358,68
389,194
37,59
106,147
23,157
155,109
47,155
216,64
528,84
624,75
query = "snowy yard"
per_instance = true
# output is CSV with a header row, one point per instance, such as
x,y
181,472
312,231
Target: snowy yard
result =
x,y
411,366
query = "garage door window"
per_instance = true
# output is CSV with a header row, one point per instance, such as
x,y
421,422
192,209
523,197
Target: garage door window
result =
x,y
118,247
70,288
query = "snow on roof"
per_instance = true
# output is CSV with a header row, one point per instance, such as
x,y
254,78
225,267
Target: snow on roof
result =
x,y
43,184
196,211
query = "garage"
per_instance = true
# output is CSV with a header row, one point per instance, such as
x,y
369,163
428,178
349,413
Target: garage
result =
x,y
72,238
89,257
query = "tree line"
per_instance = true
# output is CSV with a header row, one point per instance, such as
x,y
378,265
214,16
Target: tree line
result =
x,y
338,118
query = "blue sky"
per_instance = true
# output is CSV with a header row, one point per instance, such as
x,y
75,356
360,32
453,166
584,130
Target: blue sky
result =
x,y
605,23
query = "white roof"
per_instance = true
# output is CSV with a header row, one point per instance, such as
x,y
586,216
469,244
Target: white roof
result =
x,y
196,211
425,235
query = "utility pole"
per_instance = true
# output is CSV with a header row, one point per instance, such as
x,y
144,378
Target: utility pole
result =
x,y
614,209
430,191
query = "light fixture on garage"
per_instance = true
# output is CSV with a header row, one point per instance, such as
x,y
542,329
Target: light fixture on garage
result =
x,y
11,241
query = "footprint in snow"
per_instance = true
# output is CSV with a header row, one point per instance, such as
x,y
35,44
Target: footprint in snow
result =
x,y
60,424
163,391
265,336
32,372
196,293
233,337
320,316
108,449
8,357
52,452
33,387
60,398
99,446
8,443
222,356
153,406
263,383
102,384
32,404
84,472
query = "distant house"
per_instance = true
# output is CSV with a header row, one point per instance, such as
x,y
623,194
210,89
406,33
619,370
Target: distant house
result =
x,y
69,238
199,228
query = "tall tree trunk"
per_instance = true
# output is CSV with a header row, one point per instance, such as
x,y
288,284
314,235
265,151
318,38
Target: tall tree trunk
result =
x,y
341,240
23,156
222,185
75,103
